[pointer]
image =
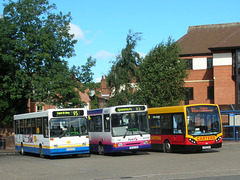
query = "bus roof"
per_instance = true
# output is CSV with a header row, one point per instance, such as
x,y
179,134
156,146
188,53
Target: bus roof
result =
x,y
173,109
44,113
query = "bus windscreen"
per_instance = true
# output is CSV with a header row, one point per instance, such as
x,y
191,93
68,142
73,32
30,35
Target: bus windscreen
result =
x,y
203,120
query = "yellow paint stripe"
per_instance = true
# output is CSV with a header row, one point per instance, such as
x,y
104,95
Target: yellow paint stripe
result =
x,y
68,146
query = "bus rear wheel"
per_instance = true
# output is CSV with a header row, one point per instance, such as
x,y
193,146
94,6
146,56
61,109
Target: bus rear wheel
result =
x,y
167,148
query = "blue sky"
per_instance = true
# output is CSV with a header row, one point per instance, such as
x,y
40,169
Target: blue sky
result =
x,y
101,26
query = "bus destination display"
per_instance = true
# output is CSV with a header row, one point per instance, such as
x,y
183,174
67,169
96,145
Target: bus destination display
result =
x,y
198,109
68,113
124,109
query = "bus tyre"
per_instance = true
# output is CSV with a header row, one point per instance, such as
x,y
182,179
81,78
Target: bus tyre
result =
x,y
167,148
22,150
41,152
100,149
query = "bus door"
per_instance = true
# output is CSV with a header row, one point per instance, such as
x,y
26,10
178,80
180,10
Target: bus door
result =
x,y
178,128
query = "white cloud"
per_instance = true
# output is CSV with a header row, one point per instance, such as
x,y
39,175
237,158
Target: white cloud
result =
x,y
142,55
104,55
98,79
77,31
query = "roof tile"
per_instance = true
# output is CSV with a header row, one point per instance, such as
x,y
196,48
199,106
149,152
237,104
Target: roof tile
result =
x,y
200,38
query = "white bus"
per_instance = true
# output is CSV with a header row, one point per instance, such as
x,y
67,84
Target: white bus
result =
x,y
119,128
52,132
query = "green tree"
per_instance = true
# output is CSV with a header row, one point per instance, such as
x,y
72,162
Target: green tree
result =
x,y
162,76
125,71
34,43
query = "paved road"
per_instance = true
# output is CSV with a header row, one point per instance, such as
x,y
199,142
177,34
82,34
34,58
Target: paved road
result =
x,y
208,165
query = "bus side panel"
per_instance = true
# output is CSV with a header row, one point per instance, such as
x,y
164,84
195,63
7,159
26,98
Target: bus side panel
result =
x,y
158,140
111,149
28,141
178,142
130,143
67,145
66,151
110,144
100,138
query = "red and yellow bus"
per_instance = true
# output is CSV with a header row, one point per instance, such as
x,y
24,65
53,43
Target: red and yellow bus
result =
x,y
189,127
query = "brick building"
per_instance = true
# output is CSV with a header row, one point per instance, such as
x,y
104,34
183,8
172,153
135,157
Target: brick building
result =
x,y
212,53
34,106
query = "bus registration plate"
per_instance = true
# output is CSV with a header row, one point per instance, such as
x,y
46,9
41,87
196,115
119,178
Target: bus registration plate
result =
x,y
133,147
70,149
206,147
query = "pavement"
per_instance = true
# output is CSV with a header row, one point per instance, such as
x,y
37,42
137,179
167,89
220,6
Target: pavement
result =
x,y
9,151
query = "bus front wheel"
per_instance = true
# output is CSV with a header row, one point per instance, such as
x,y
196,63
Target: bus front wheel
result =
x,y
22,150
100,149
41,152
167,148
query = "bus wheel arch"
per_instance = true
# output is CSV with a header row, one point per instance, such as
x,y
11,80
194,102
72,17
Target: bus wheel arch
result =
x,y
167,147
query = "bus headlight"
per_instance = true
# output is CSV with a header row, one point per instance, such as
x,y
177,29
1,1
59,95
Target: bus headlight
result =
x,y
192,141
218,139
145,142
120,144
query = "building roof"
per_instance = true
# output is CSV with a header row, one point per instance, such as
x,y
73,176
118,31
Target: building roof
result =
x,y
204,38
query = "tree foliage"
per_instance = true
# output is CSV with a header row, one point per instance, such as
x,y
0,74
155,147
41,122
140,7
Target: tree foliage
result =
x,y
34,43
162,76
124,71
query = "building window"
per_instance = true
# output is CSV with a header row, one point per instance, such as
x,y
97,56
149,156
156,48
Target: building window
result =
x,y
210,92
238,93
209,63
234,64
189,95
39,108
189,64
238,63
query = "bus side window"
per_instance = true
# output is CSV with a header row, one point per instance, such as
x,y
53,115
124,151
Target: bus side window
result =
x,y
95,123
39,126
155,124
91,123
177,124
29,129
33,126
166,120
17,125
24,126
21,127
106,123
45,127
98,123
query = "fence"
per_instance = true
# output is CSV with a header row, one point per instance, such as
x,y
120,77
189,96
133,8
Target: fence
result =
x,y
231,124
6,138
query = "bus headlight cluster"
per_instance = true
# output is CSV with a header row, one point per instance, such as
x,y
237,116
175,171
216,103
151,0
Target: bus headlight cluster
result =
x,y
192,141
145,142
218,139
120,144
